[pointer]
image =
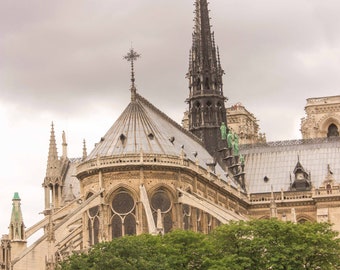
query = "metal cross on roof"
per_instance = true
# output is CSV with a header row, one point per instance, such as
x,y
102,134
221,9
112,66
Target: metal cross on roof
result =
x,y
131,57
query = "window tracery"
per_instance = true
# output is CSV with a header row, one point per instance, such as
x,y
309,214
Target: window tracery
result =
x,y
161,200
123,220
93,223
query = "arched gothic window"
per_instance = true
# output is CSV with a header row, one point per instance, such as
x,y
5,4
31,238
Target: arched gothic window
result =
x,y
302,220
199,220
186,217
219,113
207,83
196,114
333,131
93,223
209,111
198,83
161,200
209,223
123,220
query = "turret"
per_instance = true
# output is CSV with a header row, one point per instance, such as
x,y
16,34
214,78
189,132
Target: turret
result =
x,y
17,228
206,101
53,180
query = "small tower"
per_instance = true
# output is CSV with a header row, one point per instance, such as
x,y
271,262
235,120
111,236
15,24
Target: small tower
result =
x,y
53,180
302,180
206,101
17,228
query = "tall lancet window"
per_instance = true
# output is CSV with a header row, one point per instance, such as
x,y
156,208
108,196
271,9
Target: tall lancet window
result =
x,y
220,112
160,202
196,114
199,220
93,223
187,224
123,220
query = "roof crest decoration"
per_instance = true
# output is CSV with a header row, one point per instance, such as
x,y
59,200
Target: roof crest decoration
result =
x,y
131,57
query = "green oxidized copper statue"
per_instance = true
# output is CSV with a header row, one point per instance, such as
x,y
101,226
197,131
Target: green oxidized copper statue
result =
x,y
230,139
223,129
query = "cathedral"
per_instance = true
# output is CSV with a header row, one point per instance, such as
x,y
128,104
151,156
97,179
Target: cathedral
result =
x,y
149,174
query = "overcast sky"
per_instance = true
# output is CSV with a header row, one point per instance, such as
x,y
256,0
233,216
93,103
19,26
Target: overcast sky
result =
x,y
62,61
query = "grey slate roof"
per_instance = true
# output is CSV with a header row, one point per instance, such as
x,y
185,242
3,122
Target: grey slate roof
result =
x,y
277,161
142,127
71,179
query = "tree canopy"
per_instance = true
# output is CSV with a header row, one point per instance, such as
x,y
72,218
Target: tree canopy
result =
x,y
256,244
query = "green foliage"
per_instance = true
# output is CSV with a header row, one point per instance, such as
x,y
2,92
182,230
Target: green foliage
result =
x,y
253,245
187,250
271,244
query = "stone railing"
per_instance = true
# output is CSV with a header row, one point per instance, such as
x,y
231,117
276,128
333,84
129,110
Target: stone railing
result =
x,y
287,196
335,191
115,161
323,100
281,196
159,160
290,143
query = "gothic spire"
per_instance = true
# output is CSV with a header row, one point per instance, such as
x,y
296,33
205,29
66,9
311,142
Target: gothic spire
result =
x,y
17,227
53,179
206,101
52,161
205,70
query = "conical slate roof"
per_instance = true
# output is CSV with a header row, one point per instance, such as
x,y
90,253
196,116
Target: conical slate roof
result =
x,y
142,127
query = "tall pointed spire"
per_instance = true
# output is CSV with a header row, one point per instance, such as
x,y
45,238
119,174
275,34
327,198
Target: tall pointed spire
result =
x,y
53,179
52,160
205,70
131,57
206,101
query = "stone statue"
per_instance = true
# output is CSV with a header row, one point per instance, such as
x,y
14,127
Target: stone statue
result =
x,y
230,139
242,162
223,129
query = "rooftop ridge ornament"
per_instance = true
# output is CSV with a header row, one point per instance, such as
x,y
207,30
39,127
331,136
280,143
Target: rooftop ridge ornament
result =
x,y
131,57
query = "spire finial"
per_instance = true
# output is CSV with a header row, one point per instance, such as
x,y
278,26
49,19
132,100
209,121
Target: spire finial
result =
x,y
84,150
52,152
64,145
131,57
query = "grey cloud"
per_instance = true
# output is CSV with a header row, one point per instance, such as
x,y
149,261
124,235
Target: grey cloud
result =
x,y
63,61
70,52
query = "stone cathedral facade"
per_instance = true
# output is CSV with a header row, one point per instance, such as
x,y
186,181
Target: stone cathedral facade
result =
x,y
148,174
